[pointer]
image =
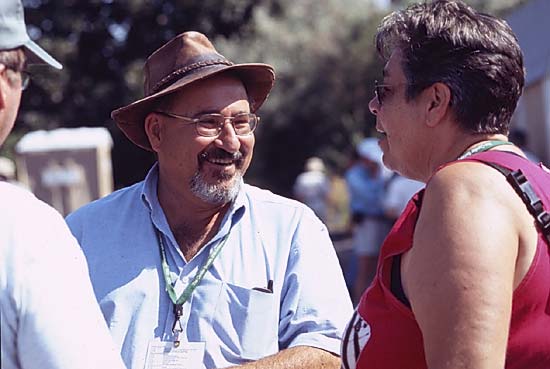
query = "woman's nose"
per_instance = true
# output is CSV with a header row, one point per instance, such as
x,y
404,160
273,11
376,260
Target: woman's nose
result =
x,y
374,105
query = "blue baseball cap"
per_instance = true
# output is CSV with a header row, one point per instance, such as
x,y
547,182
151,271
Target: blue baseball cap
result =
x,y
13,34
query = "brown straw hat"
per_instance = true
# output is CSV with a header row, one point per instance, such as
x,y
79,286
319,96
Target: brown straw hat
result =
x,y
187,58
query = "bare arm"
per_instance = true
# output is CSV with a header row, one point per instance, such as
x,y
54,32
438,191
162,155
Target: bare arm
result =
x,y
300,357
462,269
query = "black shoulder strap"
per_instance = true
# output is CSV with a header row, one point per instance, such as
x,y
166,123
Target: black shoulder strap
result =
x,y
523,188
396,285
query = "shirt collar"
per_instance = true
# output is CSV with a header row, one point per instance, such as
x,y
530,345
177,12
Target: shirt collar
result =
x,y
149,189
150,200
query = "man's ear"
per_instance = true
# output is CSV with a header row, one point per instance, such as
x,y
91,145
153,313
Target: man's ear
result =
x,y
153,130
438,103
3,86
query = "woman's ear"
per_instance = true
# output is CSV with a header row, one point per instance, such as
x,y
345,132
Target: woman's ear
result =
x,y
438,103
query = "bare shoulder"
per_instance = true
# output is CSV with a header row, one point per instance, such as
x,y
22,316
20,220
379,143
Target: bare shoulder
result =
x,y
472,245
474,192
472,207
467,212
467,180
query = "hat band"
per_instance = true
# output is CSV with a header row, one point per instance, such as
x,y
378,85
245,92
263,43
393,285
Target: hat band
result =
x,y
177,74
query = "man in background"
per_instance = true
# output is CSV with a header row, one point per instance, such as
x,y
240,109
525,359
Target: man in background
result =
x,y
312,187
7,170
48,314
366,180
399,191
519,137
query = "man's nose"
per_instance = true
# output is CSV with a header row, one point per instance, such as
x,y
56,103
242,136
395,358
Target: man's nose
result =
x,y
228,138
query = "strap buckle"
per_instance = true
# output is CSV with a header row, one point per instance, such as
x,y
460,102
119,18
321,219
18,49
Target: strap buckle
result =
x,y
521,185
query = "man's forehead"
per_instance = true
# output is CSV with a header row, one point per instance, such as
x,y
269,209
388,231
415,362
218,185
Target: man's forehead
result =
x,y
210,95
217,84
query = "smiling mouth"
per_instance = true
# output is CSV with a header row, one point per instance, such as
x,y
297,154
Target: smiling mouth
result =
x,y
222,162
221,158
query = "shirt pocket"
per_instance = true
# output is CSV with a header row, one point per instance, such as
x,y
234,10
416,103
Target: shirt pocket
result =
x,y
246,322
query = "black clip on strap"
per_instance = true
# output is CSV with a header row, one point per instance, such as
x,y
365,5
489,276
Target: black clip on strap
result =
x,y
524,189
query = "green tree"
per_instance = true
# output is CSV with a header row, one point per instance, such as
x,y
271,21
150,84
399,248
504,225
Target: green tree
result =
x,y
102,45
323,53
322,50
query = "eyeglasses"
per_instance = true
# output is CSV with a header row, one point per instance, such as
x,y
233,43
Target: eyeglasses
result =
x,y
210,125
25,79
380,91
25,76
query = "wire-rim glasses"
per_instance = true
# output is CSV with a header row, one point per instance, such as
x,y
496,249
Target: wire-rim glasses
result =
x,y
380,91
24,75
211,125
25,79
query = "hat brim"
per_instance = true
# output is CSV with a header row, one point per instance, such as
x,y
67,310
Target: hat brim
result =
x,y
257,78
38,55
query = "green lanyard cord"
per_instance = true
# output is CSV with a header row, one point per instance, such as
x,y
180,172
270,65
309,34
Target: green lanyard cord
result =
x,y
198,277
487,145
177,327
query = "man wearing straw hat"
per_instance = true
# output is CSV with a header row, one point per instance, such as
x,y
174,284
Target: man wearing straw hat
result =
x,y
48,313
193,266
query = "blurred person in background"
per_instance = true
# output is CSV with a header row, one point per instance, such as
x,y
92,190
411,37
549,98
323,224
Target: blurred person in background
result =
x,y
312,187
399,190
194,262
365,180
7,170
48,313
519,138
463,279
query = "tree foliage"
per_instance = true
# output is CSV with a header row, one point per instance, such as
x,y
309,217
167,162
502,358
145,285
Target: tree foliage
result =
x,y
322,51
103,45
323,54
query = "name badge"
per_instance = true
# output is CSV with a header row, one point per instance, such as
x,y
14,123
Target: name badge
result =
x,y
164,355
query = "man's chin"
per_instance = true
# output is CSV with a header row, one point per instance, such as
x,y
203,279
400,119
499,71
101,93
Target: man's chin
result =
x,y
221,178
219,190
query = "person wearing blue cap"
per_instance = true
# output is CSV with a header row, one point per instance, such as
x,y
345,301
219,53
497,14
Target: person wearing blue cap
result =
x,y
365,181
49,316
16,50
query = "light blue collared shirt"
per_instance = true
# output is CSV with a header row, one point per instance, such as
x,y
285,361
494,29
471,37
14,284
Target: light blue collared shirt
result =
x,y
49,318
270,238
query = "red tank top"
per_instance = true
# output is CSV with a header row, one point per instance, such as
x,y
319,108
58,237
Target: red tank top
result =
x,y
383,333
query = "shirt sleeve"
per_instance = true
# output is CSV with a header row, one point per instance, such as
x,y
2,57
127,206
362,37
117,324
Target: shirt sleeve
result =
x,y
59,323
315,303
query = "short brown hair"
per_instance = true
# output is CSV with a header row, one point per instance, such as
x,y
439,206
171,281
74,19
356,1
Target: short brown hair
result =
x,y
476,55
14,60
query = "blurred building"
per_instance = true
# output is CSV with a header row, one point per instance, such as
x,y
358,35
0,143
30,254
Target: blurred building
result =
x,y
7,169
66,168
530,24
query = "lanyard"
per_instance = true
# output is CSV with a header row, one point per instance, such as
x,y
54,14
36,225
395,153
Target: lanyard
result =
x,y
178,302
486,145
